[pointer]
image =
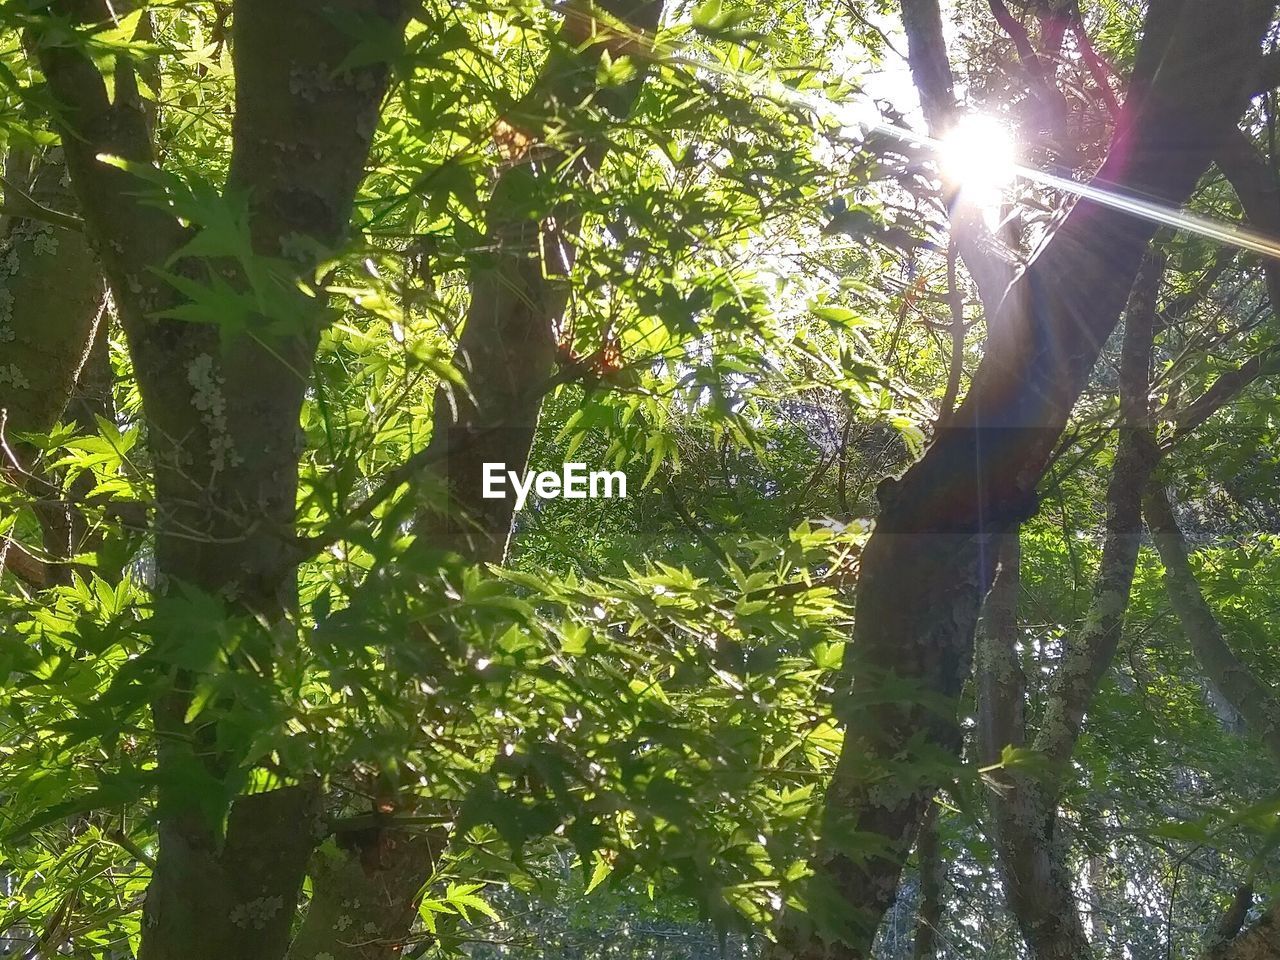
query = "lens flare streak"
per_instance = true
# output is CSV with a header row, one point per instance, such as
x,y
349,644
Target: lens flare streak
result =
x,y
867,117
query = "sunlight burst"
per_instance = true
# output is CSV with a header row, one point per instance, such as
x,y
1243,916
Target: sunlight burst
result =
x,y
979,157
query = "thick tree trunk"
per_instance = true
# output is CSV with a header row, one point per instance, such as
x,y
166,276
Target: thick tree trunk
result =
x,y
978,479
222,414
232,895
364,895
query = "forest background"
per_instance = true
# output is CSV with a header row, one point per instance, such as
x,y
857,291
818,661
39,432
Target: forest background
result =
x,y
938,344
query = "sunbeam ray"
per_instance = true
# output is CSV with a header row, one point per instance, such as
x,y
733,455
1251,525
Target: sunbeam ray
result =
x,y
866,116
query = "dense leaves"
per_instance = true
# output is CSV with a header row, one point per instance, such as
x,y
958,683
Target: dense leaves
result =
x,y
615,739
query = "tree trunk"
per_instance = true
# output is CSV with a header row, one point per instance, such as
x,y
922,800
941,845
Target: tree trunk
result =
x,y
978,479
507,351
932,871
1024,806
1089,652
989,262
506,355
1032,853
1261,941
52,303
364,894
1238,685
51,297
222,414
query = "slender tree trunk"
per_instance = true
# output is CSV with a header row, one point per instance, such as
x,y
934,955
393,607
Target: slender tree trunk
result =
x,y
932,872
1024,807
507,350
52,304
1090,651
506,355
989,262
1239,686
51,297
1032,851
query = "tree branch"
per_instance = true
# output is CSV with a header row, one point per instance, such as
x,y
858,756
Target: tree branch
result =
x,y
955,369
17,560
1038,75
1098,69
1258,191
21,205
692,525
1229,385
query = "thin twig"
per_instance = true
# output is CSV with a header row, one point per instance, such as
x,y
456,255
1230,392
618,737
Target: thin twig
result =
x,y
18,203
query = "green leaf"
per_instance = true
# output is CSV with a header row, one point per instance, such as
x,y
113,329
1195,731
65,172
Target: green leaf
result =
x,y
599,873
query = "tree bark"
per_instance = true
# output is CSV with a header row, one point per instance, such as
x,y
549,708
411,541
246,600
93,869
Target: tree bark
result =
x,y
978,479
52,302
1261,941
1037,881
506,355
932,871
51,297
1255,186
1238,685
1232,921
1024,806
507,350
365,894
1090,650
222,409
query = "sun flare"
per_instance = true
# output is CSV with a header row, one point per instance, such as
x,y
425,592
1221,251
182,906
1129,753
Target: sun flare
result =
x,y
979,157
